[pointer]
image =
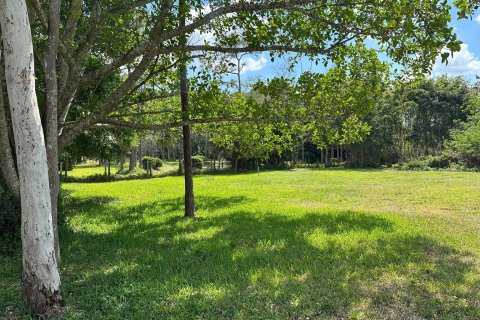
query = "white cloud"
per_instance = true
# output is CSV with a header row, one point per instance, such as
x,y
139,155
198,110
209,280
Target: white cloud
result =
x,y
199,38
251,64
477,19
463,63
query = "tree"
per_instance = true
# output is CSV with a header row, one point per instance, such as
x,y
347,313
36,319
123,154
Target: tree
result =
x,y
431,108
413,119
7,162
187,140
466,142
144,37
40,277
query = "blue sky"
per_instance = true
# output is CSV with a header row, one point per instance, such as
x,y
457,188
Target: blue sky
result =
x,y
465,63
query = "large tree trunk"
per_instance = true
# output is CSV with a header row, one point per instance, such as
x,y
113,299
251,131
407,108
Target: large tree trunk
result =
x,y
7,161
187,140
40,277
51,115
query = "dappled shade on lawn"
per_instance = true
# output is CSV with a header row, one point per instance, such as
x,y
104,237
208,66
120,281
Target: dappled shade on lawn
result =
x,y
281,245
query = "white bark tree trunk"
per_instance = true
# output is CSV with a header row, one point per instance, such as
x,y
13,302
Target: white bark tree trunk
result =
x,y
40,277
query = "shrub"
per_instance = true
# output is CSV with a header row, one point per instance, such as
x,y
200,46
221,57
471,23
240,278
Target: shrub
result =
x,y
414,165
465,143
136,173
156,163
442,161
198,162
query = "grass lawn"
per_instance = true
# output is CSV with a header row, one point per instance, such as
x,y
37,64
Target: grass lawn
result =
x,y
89,169
85,170
301,244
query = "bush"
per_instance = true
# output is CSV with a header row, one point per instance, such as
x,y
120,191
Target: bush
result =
x,y
465,143
442,161
136,173
198,162
156,163
414,165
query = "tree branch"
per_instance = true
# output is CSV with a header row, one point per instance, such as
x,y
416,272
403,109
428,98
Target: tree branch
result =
x,y
151,44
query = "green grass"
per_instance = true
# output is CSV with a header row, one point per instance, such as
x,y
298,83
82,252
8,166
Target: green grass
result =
x,y
301,244
89,169
85,170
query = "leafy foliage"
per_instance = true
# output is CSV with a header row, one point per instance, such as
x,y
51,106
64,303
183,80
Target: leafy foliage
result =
x,y
466,141
414,119
198,161
156,163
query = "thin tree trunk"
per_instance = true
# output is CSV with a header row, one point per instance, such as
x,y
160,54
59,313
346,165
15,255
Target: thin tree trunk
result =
x,y
51,122
180,166
7,161
239,79
187,140
187,148
6,104
139,154
40,276
133,159
303,150
326,157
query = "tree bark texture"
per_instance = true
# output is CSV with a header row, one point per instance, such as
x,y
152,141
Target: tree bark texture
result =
x,y
7,161
133,158
40,277
187,140
51,122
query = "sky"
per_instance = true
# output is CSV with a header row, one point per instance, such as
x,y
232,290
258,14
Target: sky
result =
x,y
465,63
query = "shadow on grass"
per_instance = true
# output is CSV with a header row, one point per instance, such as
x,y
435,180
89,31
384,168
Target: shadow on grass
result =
x,y
251,265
